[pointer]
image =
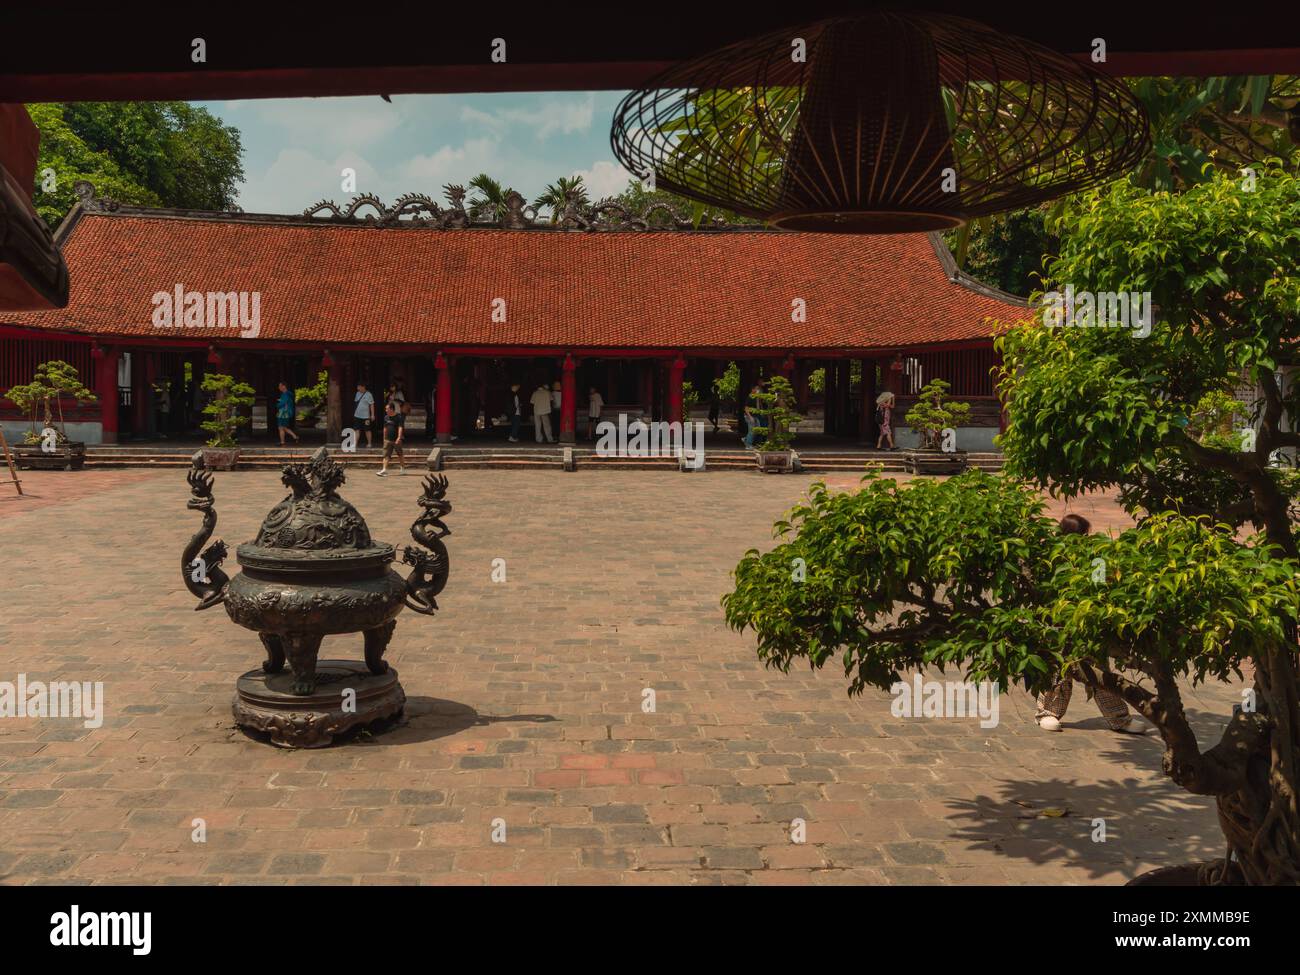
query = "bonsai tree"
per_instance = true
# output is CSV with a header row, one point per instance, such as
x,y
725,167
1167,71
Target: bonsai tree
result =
x,y
690,398
773,406
310,399
931,414
727,386
228,398
50,383
967,572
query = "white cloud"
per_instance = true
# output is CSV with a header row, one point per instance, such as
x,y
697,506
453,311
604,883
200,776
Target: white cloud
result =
x,y
450,164
604,178
564,117
297,179
330,123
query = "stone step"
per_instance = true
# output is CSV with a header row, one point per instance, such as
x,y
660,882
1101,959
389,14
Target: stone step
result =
x,y
507,458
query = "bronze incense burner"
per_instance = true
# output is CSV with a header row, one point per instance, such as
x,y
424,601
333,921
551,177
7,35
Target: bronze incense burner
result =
x,y
313,571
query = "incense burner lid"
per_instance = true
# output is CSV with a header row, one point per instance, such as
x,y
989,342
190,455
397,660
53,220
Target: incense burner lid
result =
x,y
313,529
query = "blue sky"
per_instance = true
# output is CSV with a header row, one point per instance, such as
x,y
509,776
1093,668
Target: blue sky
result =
x,y
296,149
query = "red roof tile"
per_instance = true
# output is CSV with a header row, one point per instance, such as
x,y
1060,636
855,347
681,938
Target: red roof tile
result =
x,y
337,283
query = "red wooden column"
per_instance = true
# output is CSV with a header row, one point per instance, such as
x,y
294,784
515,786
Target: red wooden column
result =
x,y
106,390
442,414
676,372
333,397
568,401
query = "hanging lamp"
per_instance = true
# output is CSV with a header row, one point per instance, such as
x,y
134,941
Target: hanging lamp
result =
x,y
885,122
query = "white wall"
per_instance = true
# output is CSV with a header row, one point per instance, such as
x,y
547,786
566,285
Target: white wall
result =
x,y
15,430
976,439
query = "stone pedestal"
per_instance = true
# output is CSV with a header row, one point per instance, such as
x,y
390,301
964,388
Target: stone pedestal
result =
x,y
347,696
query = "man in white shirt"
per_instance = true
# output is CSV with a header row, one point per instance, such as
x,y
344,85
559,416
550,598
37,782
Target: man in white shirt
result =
x,y
594,405
541,402
363,415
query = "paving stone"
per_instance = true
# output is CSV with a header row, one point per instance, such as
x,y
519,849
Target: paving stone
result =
x,y
524,703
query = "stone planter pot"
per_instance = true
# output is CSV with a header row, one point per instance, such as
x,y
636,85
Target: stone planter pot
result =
x,y
934,461
775,461
70,456
220,458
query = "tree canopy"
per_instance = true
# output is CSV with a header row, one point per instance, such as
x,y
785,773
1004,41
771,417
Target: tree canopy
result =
x,y
170,154
968,573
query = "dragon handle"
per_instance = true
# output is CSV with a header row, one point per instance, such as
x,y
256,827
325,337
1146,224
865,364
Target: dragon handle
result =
x,y
200,567
431,568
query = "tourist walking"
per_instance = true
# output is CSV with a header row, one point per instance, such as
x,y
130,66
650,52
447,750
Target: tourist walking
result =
x,y
396,396
595,403
885,419
516,413
164,408
394,430
1053,703
752,424
363,414
284,413
541,403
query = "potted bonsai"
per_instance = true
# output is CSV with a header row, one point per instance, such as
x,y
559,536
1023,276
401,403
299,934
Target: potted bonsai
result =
x,y
726,390
49,447
935,420
690,400
774,453
228,398
311,399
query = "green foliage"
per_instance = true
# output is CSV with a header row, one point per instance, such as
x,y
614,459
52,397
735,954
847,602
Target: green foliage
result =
x,y
50,383
727,386
490,196
1177,594
1005,250
817,378
310,399
556,196
1211,422
690,399
228,398
967,572
887,568
1198,126
637,199
779,420
1224,123
932,414
1095,407
150,153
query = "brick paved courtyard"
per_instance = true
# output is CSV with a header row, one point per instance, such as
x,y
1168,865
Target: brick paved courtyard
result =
x,y
525,706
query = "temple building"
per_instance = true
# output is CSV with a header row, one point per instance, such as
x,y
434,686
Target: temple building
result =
x,y
458,307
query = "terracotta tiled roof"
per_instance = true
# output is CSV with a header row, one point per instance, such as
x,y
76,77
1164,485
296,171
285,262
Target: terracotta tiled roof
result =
x,y
337,283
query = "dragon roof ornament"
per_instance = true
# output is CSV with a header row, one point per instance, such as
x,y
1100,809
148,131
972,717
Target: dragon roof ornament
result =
x,y
421,210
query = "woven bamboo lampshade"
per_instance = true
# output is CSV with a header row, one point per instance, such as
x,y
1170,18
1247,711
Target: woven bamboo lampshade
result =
x,y
885,122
